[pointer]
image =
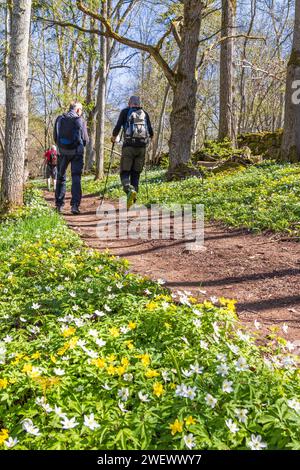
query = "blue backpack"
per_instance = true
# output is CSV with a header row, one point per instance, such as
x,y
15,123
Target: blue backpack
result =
x,y
68,132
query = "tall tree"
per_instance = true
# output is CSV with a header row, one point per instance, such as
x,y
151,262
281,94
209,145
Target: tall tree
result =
x,y
183,80
159,132
227,118
101,100
117,14
182,118
16,107
242,78
291,135
90,90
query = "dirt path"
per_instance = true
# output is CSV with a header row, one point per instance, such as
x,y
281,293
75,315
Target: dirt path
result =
x,y
263,275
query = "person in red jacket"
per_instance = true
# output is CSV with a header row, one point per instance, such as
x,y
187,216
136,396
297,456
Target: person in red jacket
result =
x,y
51,166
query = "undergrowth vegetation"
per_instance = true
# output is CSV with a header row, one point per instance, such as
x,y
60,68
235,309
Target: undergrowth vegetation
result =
x,y
260,197
94,357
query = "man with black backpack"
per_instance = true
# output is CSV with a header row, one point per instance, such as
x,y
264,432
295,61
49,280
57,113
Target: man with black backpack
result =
x,y
70,135
137,128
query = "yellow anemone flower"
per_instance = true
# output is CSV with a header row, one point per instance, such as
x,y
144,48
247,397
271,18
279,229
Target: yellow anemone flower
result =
x,y
36,355
175,427
190,420
27,368
151,373
111,370
3,383
145,359
114,332
69,331
98,362
3,435
158,389
125,361
151,306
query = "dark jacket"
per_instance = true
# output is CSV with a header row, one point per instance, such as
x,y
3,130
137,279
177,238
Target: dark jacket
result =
x,y
122,124
83,134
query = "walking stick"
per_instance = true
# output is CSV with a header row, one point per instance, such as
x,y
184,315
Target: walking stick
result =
x,y
108,170
146,180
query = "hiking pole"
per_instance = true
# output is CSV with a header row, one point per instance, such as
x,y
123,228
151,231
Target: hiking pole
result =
x,y
108,170
146,180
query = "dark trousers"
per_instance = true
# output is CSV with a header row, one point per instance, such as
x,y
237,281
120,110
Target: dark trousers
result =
x,y
76,172
51,171
132,163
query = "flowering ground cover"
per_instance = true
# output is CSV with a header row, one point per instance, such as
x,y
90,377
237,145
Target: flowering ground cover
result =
x,y
94,357
260,197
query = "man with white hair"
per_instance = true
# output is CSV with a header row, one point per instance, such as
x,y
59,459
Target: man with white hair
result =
x,y
51,166
137,128
70,135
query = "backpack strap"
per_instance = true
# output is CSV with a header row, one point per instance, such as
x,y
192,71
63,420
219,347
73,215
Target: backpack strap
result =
x,y
58,122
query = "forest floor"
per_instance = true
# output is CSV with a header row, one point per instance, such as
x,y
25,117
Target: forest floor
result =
x,y
261,272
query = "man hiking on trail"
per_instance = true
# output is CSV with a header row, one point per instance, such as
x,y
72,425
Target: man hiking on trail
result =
x,y
137,129
70,135
51,166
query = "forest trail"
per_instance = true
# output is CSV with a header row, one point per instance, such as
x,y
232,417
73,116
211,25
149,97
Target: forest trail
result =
x,y
263,275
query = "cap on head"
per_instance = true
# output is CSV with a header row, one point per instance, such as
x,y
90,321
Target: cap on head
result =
x,y
134,101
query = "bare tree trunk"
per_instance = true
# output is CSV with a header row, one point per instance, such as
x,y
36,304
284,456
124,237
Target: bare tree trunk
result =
x,y
45,94
2,136
195,138
16,107
227,118
101,101
26,117
243,103
280,117
182,118
291,135
7,41
157,135
5,68
91,125
2,145
90,148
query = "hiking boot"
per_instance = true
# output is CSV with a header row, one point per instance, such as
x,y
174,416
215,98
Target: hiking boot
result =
x,y
131,198
59,209
75,210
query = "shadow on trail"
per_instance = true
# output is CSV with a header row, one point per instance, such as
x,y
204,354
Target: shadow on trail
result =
x,y
239,279
279,302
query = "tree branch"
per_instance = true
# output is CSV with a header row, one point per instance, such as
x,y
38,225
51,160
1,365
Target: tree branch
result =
x,y
224,38
67,24
175,31
159,44
247,64
235,36
110,32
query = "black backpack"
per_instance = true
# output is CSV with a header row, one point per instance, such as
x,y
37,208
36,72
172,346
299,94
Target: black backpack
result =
x,y
69,132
